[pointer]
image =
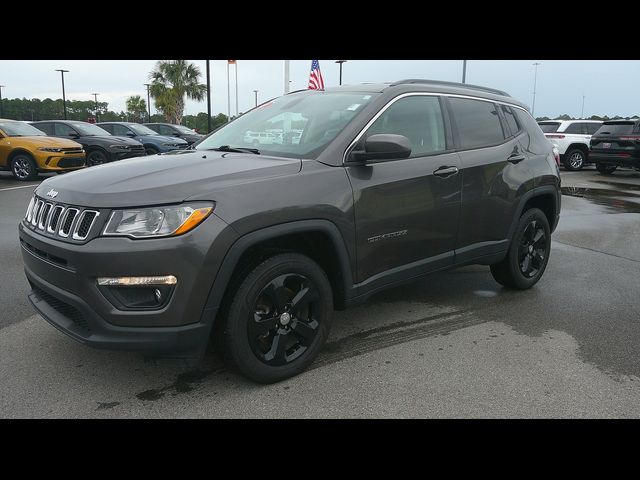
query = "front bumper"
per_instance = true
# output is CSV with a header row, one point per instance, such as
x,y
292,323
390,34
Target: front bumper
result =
x,y
60,163
65,292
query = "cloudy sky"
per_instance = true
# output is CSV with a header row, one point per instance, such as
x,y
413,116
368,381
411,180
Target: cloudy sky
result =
x,y
610,87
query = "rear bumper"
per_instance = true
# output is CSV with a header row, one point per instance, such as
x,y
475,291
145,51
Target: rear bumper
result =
x,y
614,159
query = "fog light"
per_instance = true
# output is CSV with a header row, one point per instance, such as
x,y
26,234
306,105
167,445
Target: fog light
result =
x,y
137,281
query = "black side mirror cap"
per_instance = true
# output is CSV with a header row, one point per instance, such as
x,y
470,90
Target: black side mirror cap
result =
x,y
381,147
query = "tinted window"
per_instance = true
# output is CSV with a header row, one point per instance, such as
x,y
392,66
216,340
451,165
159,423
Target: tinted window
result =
x,y
618,128
419,118
119,130
19,129
510,117
164,130
63,130
549,127
592,128
576,128
45,127
534,141
478,122
88,129
155,128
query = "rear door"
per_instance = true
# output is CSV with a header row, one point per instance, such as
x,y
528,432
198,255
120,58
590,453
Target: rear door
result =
x,y
406,211
495,172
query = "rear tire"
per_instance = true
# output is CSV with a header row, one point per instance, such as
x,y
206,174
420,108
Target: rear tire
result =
x,y
528,253
574,160
605,169
24,167
151,150
278,318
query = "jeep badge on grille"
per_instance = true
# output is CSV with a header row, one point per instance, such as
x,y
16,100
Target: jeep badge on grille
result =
x,y
52,193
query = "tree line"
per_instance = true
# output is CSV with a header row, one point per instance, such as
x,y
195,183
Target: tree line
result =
x,y
604,118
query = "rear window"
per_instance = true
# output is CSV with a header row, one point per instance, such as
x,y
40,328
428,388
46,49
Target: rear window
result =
x,y
617,128
549,127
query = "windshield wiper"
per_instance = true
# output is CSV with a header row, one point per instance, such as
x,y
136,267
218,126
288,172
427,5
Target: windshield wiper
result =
x,y
227,148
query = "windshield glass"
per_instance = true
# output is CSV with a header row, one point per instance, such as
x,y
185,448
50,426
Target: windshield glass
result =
x,y
88,129
549,127
617,128
299,125
141,129
184,129
19,129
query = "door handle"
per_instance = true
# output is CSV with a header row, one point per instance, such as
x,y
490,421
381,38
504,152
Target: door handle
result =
x,y
445,171
516,158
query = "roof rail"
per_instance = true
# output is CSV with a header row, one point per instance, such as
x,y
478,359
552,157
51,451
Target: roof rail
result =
x,y
452,84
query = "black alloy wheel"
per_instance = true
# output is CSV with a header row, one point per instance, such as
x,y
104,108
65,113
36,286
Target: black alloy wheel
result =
x,y
532,251
96,157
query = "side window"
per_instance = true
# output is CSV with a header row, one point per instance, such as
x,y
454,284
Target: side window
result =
x,y
119,130
534,141
108,128
592,128
478,122
155,128
45,127
512,122
574,128
164,130
419,118
62,130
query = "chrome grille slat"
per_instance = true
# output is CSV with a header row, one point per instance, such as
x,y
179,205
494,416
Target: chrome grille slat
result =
x,y
58,210
36,211
77,235
27,216
64,222
44,215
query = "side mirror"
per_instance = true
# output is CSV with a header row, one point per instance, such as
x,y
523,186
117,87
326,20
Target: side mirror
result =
x,y
74,135
131,134
381,148
175,134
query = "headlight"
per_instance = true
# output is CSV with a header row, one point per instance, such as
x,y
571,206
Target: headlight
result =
x,y
158,221
119,147
49,149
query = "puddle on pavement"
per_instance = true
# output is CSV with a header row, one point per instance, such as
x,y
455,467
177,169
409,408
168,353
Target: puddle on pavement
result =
x,y
614,200
620,185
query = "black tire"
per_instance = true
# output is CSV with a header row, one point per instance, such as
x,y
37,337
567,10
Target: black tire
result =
x,y
151,150
528,255
96,157
575,159
266,336
605,169
24,167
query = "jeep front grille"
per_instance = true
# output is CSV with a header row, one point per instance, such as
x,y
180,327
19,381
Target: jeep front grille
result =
x,y
60,220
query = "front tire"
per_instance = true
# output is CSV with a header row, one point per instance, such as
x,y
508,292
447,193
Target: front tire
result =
x,y
151,150
96,157
24,167
605,169
279,318
574,160
528,253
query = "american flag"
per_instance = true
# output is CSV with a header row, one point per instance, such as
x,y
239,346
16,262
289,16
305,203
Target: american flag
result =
x,y
315,78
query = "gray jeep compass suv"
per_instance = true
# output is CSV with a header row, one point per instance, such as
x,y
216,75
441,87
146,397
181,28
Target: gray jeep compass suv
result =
x,y
254,248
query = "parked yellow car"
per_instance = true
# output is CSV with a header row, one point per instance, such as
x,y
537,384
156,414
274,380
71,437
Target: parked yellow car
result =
x,y
25,151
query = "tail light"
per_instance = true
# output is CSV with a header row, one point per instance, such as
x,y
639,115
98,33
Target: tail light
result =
x,y
556,155
553,135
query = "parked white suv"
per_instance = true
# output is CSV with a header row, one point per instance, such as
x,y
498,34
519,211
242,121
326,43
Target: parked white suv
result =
x,y
572,139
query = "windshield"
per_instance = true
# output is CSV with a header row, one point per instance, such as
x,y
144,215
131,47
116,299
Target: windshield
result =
x,y
19,129
184,129
141,129
549,127
299,125
88,129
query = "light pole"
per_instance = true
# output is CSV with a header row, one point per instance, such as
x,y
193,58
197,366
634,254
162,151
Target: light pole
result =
x,y
1,87
64,98
256,94
208,100
582,113
148,85
464,71
340,62
535,78
95,97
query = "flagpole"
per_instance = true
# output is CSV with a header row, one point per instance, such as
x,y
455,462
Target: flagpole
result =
x,y
237,112
228,93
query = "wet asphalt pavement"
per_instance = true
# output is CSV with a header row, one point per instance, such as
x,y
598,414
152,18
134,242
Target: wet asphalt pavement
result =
x,y
453,345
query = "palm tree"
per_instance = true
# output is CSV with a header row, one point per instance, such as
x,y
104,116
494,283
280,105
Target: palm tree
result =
x,y
171,80
136,107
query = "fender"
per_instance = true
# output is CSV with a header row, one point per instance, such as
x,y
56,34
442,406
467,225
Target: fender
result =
x,y
246,241
535,192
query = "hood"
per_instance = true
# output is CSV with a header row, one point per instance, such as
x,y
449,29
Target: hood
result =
x,y
110,140
161,139
163,179
43,141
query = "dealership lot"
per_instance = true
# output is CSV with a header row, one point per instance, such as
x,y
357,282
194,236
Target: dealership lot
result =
x,y
453,345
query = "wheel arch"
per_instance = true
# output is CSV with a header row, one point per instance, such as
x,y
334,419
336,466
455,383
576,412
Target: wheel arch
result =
x,y
18,151
546,198
578,146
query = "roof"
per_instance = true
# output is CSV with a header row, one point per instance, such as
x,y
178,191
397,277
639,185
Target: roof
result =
x,y
575,120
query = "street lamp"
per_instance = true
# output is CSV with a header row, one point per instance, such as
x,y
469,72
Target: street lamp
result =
x,y
1,87
148,100
535,78
464,71
95,97
208,99
64,99
256,93
582,113
340,62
